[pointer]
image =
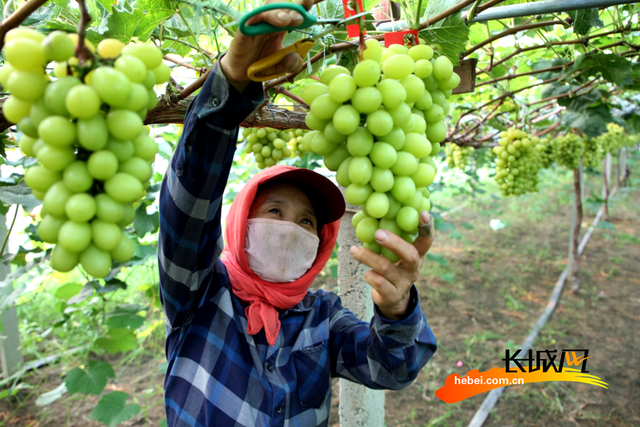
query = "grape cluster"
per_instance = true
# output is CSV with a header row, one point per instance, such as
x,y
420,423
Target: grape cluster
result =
x,y
567,150
378,128
613,139
518,162
458,157
545,151
295,143
85,128
268,145
592,153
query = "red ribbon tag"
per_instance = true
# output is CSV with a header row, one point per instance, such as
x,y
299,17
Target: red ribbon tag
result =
x,y
397,37
353,30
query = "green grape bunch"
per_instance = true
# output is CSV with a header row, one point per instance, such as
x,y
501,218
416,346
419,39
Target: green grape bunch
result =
x,y
295,143
545,151
458,157
568,150
613,139
85,128
592,152
378,129
268,145
518,161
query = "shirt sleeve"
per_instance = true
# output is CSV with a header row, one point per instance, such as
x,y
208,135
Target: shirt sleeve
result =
x,y
383,354
190,236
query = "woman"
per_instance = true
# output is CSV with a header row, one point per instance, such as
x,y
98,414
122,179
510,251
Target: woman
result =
x,y
247,343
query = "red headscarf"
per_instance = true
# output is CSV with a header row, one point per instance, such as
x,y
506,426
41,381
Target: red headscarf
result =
x,y
263,296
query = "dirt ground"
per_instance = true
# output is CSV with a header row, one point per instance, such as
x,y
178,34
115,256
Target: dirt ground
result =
x,y
485,298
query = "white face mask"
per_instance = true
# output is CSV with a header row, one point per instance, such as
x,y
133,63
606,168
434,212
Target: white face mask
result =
x,y
279,251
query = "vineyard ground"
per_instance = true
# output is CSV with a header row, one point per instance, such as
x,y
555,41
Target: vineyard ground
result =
x,y
486,297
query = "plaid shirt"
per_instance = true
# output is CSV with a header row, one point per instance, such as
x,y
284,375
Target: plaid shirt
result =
x,y
218,375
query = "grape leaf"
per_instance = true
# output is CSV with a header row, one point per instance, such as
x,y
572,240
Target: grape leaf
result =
x,y
91,381
612,67
120,340
122,23
584,19
154,12
111,409
125,316
19,194
451,33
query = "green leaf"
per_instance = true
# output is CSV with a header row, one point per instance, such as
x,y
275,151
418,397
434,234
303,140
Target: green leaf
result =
x,y
68,290
111,409
92,381
125,316
107,5
442,225
448,277
51,396
170,46
584,19
122,23
593,121
163,423
154,12
120,340
606,225
612,67
145,223
452,32
19,194
437,258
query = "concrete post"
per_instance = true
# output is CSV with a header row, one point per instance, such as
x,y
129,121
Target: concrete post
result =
x,y
10,355
359,406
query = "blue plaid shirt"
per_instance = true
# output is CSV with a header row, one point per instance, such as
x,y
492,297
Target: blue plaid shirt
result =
x,y
218,375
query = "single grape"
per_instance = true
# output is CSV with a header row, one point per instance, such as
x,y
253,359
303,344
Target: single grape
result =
x,y
442,68
124,188
124,251
109,48
106,235
150,55
113,86
366,229
378,204
63,260
123,124
24,54
57,46
330,72
55,95
82,101
367,100
393,93
366,73
379,122
93,133
132,67
56,158
57,131
398,66
95,261
80,207
342,88
346,119
27,85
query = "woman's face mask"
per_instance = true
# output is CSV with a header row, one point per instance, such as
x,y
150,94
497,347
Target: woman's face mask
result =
x,y
279,251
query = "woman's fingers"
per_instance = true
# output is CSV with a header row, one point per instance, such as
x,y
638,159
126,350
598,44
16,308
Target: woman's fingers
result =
x,y
425,234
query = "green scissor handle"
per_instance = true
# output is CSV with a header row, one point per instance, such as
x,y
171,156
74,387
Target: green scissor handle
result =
x,y
266,28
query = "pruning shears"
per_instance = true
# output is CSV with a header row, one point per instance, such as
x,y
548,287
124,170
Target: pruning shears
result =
x,y
302,46
308,20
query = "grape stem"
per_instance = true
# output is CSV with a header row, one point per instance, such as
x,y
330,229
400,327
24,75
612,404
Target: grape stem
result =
x,y
348,45
184,64
353,4
6,239
289,95
508,32
17,17
82,52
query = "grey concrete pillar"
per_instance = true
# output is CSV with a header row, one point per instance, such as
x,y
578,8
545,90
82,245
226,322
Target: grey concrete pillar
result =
x,y
359,406
10,355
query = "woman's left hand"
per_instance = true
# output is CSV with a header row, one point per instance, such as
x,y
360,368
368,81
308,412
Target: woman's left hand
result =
x,y
391,282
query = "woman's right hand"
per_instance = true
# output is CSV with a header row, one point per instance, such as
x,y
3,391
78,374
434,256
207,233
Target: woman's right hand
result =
x,y
245,50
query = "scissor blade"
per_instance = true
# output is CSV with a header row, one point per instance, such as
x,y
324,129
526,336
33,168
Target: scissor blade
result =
x,y
337,22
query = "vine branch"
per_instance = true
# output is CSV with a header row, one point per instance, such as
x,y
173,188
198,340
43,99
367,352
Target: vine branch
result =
x,y
82,52
17,17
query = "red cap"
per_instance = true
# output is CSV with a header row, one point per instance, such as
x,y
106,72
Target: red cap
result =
x,y
325,196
